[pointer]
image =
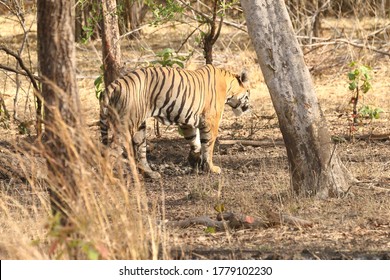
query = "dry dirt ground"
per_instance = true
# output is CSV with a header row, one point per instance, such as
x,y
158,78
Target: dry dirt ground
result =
x,y
255,178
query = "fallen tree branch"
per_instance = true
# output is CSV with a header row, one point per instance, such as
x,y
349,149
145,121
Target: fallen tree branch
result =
x,y
363,185
254,143
229,220
202,220
371,137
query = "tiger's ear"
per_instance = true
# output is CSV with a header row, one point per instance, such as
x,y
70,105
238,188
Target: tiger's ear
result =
x,y
243,77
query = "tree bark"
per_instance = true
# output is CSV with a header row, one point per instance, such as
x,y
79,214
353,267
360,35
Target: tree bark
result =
x,y
314,165
134,12
78,31
211,37
56,55
110,39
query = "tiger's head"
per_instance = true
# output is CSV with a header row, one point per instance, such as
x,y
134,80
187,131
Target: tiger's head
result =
x,y
238,94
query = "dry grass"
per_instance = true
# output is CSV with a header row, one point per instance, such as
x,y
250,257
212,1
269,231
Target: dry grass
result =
x,y
115,215
108,219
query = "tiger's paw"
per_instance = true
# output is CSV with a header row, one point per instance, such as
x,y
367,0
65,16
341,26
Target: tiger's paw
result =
x,y
211,168
149,173
154,175
215,169
195,159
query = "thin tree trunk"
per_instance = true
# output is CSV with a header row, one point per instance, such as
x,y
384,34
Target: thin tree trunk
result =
x,y
314,164
211,37
78,21
134,12
110,39
137,14
56,55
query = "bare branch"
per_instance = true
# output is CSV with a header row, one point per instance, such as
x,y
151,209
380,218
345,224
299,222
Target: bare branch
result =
x,y
188,37
345,41
206,17
376,32
37,93
218,31
241,27
20,61
13,70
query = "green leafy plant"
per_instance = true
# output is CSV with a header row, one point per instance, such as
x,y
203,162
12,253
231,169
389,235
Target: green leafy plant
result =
x,y
210,230
95,17
164,12
99,83
359,84
167,57
24,127
369,112
88,32
64,242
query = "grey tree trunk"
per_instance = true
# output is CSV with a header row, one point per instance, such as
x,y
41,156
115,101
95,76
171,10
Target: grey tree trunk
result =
x,y
56,55
314,165
110,38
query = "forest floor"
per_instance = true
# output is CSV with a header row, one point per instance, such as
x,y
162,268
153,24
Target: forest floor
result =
x,y
255,178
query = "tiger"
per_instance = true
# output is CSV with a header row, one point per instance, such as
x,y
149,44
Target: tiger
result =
x,y
192,99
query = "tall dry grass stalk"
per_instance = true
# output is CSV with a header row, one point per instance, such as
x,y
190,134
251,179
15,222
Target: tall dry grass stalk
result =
x,y
108,215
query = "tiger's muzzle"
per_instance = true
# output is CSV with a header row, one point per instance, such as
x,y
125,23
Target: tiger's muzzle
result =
x,y
239,105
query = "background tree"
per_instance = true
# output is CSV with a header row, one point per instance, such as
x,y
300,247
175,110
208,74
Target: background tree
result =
x,y
131,15
314,165
203,17
87,18
306,17
56,55
110,38
212,35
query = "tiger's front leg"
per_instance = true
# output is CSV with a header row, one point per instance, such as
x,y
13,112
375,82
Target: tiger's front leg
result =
x,y
208,134
139,144
191,134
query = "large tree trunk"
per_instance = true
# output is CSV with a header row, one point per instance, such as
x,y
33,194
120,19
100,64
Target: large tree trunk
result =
x,y
110,37
56,55
314,165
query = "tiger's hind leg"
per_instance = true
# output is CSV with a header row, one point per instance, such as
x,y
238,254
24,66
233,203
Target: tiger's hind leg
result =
x,y
208,134
139,144
191,134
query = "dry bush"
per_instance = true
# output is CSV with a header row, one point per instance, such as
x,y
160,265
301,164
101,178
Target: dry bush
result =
x,y
108,215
